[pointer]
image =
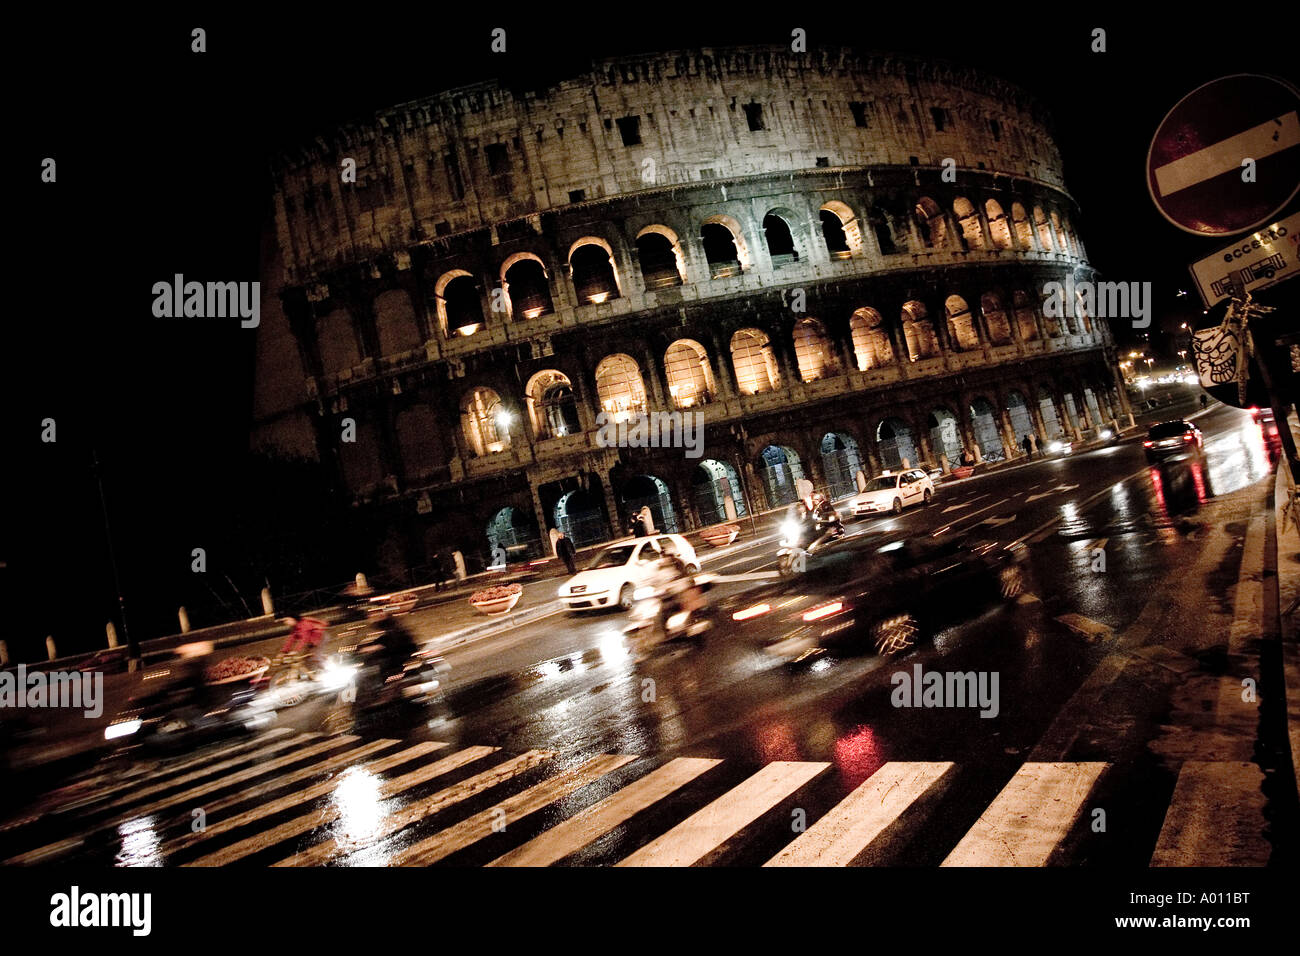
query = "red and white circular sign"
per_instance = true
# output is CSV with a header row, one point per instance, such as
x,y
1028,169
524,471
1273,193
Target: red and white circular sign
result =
x,y
1195,168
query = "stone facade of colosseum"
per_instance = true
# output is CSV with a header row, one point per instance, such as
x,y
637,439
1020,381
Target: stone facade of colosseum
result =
x,y
838,261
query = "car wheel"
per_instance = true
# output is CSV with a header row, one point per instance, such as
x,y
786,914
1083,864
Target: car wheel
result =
x,y
625,597
928,495
1011,581
693,569
895,634
898,506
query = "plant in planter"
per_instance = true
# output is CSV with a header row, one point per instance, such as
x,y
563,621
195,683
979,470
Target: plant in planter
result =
x,y
720,534
497,599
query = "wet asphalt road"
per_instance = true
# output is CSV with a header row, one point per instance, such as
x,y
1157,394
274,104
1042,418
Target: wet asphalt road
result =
x,y
570,689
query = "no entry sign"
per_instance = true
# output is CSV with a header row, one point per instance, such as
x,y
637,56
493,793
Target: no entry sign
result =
x,y
1196,167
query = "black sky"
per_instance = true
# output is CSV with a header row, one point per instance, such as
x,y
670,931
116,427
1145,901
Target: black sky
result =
x,y
161,164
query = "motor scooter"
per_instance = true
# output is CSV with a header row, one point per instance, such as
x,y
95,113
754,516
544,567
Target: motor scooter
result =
x,y
659,617
803,534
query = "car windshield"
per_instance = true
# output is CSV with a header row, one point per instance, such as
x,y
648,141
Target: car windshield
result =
x,y
1168,430
882,483
611,557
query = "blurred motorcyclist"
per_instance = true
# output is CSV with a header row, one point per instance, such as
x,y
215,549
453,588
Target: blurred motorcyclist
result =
x,y
190,686
392,646
677,588
825,520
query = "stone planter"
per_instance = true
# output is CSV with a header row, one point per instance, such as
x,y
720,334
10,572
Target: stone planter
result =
x,y
720,535
963,471
497,600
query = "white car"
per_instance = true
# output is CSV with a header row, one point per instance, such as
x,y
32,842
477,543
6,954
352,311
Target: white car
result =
x,y
616,570
893,491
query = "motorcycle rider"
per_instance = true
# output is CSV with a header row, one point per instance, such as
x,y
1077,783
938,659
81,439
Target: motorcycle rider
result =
x,y
392,646
825,520
676,587
191,687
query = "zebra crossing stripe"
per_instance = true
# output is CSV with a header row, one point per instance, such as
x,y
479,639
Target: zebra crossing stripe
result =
x,y
169,769
707,829
514,808
210,769
1026,821
1215,817
137,813
889,802
309,821
221,783
77,798
302,796
597,820
416,811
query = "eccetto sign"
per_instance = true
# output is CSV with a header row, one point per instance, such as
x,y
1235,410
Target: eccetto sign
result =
x,y
1260,259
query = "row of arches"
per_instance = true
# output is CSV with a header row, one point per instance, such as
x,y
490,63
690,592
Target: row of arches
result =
x,y
973,227
524,286
934,434
552,404
938,437
710,494
524,278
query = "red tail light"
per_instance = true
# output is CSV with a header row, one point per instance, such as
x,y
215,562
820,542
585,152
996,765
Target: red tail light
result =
x,y
1189,437
826,610
749,612
1147,444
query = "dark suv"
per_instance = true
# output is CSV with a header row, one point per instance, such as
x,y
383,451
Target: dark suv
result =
x,y
1168,440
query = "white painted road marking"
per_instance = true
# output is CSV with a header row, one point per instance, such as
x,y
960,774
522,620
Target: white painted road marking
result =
x,y
1034,812
1214,817
885,804
446,842
707,829
263,810
309,821
417,810
597,820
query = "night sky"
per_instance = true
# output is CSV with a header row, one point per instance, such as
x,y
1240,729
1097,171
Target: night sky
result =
x,y
161,169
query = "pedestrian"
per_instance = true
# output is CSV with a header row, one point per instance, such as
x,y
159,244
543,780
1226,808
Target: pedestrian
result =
x,y
1027,445
564,548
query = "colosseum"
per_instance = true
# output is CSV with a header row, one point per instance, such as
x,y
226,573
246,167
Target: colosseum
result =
x,y
838,260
